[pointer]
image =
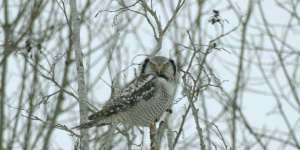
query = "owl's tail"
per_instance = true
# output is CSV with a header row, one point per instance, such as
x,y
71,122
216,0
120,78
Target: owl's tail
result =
x,y
90,124
85,125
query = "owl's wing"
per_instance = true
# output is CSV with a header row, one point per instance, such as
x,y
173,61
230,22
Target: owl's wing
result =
x,y
142,88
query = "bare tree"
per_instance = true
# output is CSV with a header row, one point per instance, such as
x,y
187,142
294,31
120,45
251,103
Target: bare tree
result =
x,y
238,64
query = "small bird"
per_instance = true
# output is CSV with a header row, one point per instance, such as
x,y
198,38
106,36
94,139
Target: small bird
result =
x,y
142,101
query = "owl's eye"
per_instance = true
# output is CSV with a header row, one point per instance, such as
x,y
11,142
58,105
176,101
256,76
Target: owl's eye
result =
x,y
165,66
153,66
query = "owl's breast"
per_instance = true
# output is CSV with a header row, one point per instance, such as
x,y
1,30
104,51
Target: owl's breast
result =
x,y
148,110
166,85
164,93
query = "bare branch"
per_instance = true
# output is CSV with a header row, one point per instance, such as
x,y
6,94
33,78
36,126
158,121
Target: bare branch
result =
x,y
83,109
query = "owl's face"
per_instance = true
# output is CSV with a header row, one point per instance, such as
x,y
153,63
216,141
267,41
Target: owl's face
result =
x,y
158,65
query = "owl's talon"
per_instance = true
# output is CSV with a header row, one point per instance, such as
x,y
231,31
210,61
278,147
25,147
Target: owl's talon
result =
x,y
169,111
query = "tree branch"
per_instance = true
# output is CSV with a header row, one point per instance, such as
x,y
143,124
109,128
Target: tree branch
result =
x,y
83,109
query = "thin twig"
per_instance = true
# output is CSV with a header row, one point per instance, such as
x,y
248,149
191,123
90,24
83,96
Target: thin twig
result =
x,y
58,126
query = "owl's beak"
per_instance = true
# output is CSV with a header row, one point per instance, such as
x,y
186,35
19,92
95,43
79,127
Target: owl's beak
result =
x,y
158,71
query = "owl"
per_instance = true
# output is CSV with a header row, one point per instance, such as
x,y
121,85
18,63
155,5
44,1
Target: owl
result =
x,y
143,100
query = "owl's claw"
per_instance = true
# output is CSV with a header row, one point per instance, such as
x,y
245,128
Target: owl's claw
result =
x,y
169,111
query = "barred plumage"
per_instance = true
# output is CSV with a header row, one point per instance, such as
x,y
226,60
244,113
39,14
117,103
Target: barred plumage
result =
x,y
144,99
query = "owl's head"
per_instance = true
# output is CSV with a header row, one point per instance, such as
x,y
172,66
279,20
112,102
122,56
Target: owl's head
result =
x,y
158,65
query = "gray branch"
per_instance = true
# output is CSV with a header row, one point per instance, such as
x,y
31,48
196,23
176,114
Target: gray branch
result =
x,y
83,109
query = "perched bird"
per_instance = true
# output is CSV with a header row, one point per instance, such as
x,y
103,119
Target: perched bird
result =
x,y
143,100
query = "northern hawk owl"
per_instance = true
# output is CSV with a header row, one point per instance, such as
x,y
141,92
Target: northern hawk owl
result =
x,y
143,100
